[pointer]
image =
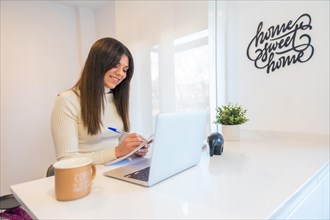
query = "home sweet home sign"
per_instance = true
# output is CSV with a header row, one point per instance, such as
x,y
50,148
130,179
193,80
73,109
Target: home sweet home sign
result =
x,y
282,45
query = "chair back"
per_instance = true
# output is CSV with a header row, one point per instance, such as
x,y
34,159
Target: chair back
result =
x,y
50,171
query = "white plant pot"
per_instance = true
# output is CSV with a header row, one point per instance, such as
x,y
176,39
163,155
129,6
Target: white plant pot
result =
x,y
231,132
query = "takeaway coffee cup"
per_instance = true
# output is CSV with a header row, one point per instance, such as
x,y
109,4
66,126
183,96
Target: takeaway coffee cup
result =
x,y
73,178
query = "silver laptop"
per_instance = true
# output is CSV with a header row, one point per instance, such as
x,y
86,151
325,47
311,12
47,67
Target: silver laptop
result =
x,y
177,146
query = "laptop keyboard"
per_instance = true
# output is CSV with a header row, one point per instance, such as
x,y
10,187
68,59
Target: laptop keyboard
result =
x,y
142,175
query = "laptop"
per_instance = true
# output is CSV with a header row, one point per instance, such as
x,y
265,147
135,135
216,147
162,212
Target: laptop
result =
x,y
177,146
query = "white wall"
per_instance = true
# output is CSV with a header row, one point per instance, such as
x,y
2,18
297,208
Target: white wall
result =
x,y
43,45
294,98
105,24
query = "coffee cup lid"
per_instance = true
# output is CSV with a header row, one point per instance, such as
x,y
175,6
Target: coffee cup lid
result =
x,y
72,162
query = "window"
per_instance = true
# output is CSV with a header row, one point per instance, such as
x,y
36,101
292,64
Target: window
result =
x,y
189,78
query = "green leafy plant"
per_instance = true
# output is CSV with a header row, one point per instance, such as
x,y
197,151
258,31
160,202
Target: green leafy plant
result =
x,y
231,114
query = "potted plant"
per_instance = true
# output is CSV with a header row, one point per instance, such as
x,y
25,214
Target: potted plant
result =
x,y
231,116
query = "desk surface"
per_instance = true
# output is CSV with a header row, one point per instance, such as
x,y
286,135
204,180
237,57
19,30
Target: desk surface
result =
x,y
250,180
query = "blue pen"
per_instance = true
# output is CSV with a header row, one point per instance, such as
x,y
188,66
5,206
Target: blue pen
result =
x,y
116,130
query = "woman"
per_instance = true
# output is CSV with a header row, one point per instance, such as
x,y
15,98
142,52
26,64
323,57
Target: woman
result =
x,y
100,99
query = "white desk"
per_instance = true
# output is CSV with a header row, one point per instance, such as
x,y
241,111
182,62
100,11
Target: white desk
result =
x,y
257,178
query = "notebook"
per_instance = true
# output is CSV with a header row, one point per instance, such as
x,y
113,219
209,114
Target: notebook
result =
x,y
177,146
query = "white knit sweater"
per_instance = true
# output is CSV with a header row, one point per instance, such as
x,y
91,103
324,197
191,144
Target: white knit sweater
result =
x,y
70,136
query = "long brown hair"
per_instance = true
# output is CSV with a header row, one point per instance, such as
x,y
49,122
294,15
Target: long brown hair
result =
x,y
104,55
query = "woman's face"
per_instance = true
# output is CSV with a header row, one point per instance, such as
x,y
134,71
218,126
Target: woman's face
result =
x,y
117,74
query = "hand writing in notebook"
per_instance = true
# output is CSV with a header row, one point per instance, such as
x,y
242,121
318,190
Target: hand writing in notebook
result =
x,y
129,143
144,147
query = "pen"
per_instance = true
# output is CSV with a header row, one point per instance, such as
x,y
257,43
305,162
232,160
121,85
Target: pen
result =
x,y
116,130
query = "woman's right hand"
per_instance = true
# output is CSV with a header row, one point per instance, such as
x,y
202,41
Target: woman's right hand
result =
x,y
130,142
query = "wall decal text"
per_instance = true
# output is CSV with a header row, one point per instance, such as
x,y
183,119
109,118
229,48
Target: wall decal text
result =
x,y
282,45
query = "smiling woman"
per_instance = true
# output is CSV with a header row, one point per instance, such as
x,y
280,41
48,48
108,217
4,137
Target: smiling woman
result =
x,y
117,74
99,99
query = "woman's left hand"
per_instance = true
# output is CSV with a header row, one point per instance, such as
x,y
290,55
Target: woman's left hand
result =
x,y
143,151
